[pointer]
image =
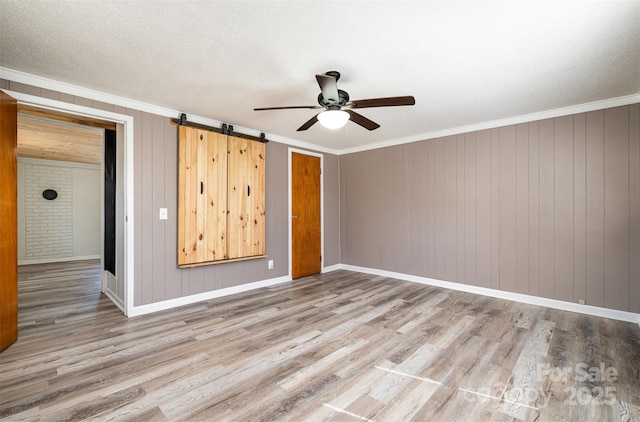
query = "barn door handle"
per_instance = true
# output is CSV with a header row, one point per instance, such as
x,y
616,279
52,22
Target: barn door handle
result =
x,y
201,188
248,190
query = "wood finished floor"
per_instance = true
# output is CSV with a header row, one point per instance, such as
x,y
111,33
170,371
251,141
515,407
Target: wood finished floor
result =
x,y
341,346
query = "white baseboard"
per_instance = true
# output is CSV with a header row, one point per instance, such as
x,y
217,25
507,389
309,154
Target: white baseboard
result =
x,y
188,300
331,268
501,294
115,299
63,259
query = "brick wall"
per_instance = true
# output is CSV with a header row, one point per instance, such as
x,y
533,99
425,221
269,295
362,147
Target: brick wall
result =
x,y
48,223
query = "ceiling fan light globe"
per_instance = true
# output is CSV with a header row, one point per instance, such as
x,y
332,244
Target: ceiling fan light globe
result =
x,y
333,119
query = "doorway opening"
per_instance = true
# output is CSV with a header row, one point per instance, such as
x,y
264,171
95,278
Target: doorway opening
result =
x,y
117,283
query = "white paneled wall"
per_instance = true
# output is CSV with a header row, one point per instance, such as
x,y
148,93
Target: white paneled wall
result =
x,y
66,228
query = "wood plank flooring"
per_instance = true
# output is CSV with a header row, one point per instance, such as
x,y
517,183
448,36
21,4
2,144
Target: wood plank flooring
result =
x,y
341,346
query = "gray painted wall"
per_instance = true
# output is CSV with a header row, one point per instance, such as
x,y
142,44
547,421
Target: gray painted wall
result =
x,y
548,208
157,276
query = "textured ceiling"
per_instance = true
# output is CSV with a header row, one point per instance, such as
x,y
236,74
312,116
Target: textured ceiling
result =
x,y
465,62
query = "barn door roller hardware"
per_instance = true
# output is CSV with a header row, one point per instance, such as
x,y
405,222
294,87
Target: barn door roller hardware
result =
x,y
225,129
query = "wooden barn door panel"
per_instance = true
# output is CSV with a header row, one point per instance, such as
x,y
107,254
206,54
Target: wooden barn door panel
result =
x,y
189,246
238,228
202,173
246,222
256,199
215,201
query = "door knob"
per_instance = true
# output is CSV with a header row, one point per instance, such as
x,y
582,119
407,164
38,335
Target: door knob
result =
x,y
295,217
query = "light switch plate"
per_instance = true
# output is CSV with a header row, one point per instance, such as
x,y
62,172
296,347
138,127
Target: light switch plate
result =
x,y
163,214
270,264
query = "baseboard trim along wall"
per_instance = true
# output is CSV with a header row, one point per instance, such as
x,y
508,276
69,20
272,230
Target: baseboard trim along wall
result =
x,y
500,294
200,297
114,298
331,268
62,259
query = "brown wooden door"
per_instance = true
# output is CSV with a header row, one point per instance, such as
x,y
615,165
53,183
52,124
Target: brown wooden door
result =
x,y
305,211
8,221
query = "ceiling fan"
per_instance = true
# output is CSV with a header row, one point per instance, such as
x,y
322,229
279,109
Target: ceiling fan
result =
x,y
337,107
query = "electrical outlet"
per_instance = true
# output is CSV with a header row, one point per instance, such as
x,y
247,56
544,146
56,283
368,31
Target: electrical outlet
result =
x,y
270,264
163,214
581,301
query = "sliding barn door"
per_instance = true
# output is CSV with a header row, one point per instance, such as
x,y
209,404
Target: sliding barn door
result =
x,y
8,221
202,213
246,218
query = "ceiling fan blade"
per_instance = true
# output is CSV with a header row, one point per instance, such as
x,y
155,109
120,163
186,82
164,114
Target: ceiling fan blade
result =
x,y
362,121
284,108
308,123
329,88
384,102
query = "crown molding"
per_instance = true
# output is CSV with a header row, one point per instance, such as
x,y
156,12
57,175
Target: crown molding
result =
x,y
40,82
525,118
50,84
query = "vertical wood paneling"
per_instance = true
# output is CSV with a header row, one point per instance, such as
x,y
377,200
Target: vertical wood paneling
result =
x,y
508,224
68,98
547,209
440,218
85,102
353,223
450,206
414,215
470,208
579,208
137,205
595,208
331,180
103,106
483,208
25,89
173,286
534,208
634,208
344,206
522,208
380,187
563,206
145,218
431,192
424,209
396,209
495,208
157,201
616,207
47,93
460,207
276,208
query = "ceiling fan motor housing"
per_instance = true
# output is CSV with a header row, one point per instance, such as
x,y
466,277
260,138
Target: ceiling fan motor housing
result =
x,y
343,99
